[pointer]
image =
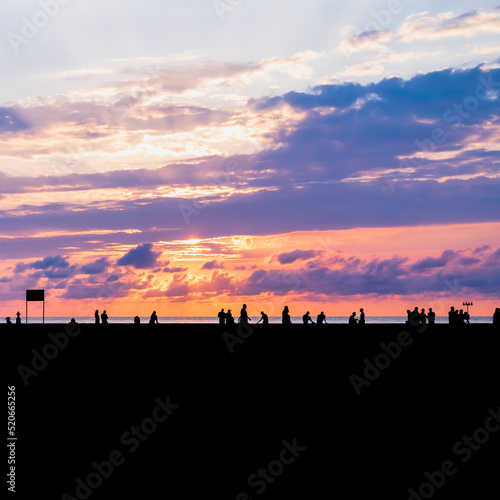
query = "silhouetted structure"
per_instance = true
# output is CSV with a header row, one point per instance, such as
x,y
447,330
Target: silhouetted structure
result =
x,y
496,316
7,319
229,318
264,318
361,317
18,318
104,318
285,316
307,319
137,320
73,322
96,316
321,318
154,319
352,319
244,315
431,316
222,317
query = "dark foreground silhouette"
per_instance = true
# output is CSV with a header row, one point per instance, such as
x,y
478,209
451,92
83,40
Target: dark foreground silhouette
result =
x,y
384,403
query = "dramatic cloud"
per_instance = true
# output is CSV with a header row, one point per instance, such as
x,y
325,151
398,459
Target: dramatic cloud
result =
x,y
97,267
213,264
289,257
142,257
450,24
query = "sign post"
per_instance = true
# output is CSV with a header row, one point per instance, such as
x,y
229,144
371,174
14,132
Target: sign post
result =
x,y
35,296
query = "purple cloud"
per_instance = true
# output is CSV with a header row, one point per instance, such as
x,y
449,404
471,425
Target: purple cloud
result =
x,y
289,257
142,257
213,264
97,267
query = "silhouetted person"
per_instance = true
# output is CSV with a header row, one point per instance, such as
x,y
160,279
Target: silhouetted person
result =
x,y
104,318
244,315
137,320
7,319
467,317
352,319
73,322
461,317
321,318
496,316
307,319
431,316
18,318
422,317
96,316
415,317
229,318
222,317
154,319
408,319
264,318
285,316
361,317
452,316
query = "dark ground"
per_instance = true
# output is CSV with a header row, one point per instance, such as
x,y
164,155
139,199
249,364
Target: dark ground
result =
x,y
236,410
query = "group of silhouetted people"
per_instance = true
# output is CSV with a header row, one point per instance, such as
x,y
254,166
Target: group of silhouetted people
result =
x,y
458,317
226,318
420,318
18,319
353,321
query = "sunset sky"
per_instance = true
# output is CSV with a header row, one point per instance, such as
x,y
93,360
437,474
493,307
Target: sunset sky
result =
x,y
188,156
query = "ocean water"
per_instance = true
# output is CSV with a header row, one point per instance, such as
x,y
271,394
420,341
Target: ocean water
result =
x,y
338,320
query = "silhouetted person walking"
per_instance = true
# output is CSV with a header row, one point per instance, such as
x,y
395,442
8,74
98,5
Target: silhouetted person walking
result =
x,y
222,317
361,317
229,318
285,316
431,316
154,319
321,318
8,321
104,318
137,320
18,318
352,319
244,315
264,318
307,319
96,315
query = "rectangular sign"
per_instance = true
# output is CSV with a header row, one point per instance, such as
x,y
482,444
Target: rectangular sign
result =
x,y
35,295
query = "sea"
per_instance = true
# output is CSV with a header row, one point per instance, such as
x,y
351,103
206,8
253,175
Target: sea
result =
x,y
336,320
